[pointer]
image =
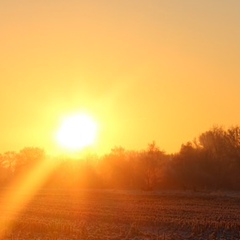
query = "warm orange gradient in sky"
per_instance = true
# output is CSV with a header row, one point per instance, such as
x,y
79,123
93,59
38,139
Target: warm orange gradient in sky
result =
x,y
143,69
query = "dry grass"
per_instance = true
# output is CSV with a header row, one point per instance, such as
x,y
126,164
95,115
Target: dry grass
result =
x,y
113,215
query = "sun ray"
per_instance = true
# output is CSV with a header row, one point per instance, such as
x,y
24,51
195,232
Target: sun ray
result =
x,y
22,191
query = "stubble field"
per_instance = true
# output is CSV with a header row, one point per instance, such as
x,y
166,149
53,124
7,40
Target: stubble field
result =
x,y
113,215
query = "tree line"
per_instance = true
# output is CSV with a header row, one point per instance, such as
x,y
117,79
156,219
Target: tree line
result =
x,y
210,162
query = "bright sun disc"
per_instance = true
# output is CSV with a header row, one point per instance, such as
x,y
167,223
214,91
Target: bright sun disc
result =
x,y
77,132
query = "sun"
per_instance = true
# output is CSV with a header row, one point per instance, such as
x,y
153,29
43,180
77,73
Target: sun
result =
x,y
77,132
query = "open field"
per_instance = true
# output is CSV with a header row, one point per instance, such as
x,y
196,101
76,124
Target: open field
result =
x,y
113,215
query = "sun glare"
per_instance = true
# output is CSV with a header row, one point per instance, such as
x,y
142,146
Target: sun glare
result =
x,y
77,132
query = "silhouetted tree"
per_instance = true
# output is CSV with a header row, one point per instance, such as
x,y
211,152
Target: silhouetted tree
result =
x,y
117,169
5,171
215,144
8,160
151,162
27,158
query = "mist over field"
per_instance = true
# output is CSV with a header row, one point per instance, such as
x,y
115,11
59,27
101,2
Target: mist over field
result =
x,y
210,162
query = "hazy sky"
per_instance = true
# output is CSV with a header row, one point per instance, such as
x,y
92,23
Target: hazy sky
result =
x,y
144,69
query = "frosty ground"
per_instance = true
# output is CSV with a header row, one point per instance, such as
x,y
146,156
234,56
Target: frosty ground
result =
x,y
112,214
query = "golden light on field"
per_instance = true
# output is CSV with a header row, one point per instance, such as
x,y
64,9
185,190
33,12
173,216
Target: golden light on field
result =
x,y
77,132
21,191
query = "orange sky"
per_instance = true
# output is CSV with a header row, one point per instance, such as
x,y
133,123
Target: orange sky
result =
x,y
144,69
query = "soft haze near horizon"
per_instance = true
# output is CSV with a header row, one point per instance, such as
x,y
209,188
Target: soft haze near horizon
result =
x,y
145,70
